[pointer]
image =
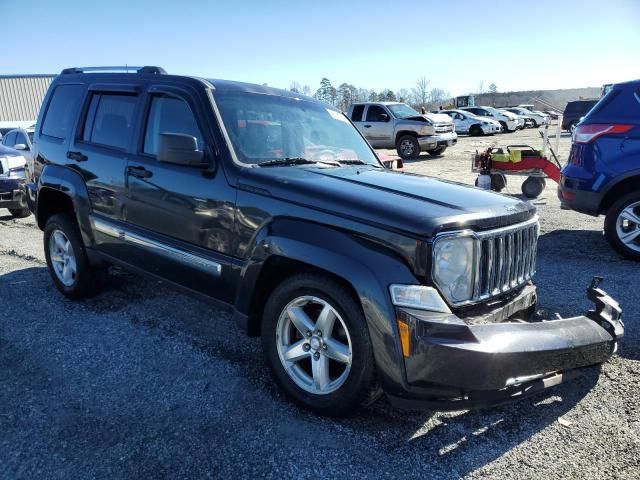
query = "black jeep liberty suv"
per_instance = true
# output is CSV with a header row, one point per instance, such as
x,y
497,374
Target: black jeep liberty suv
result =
x,y
358,278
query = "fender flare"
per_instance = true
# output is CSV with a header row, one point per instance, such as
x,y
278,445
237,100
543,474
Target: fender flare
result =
x,y
70,183
361,263
618,180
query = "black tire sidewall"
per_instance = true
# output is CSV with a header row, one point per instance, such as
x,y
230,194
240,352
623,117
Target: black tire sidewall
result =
x,y
359,382
416,150
19,212
85,282
611,218
532,187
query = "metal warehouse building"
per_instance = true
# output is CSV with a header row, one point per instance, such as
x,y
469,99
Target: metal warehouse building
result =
x,y
21,96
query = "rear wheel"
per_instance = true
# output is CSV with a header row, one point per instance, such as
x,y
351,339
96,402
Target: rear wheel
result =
x,y
19,212
408,147
505,129
533,187
622,226
498,182
317,344
67,260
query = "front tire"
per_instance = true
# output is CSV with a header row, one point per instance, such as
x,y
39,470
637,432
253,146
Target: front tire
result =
x,y
408,147
19,212
67,259
317,345
476,131
622,226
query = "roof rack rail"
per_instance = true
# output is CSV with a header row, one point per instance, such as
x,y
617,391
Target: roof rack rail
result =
x,y
126,69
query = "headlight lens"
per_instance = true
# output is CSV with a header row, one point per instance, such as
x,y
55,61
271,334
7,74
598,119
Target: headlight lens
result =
x,y
454,267
425,131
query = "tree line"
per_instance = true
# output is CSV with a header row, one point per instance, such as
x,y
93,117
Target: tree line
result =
x,y
421,95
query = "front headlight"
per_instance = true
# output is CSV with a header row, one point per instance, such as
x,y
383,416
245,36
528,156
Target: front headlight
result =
x,y
425,131
454,267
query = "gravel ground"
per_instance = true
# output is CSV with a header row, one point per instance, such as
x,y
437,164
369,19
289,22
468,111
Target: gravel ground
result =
x,y
145,382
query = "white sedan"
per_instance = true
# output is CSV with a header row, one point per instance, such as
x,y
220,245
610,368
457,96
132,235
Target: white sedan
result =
x,y
467,122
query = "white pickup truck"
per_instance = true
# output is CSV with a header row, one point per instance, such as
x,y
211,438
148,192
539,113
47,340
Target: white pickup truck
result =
x,y
397,125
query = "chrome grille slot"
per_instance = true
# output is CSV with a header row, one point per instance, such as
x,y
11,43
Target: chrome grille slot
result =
x,y
506,259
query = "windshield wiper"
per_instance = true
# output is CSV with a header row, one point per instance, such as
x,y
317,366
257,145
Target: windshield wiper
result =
x,y
357,162
294,161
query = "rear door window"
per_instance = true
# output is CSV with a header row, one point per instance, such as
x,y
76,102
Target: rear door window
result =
x,y
20,138
109,120
61,112
169,114
356,115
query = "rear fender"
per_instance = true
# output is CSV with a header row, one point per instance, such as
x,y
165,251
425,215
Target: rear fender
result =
x,y
71,184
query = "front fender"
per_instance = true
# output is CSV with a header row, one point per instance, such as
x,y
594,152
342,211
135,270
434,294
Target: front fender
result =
x,y
68,182
369,268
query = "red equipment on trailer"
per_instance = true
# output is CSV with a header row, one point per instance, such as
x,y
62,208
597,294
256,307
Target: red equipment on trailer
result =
x,y
517,160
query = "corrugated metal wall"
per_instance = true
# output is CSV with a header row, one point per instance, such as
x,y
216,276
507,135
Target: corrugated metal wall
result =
x,y
21,96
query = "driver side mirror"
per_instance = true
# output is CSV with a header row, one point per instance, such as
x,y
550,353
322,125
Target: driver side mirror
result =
x,y
180,149
20,146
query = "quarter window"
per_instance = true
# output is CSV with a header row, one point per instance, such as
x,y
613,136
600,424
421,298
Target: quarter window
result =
x,y
62,109
169,115
110,120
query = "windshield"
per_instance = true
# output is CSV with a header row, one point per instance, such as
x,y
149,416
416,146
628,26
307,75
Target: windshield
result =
x,y
400,110
265,128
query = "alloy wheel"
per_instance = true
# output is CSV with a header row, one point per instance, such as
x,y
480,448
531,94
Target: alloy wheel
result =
x,y
314,345
406,146
628,226
63,259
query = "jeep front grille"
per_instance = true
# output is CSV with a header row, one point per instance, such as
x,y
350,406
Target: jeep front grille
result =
x,y
506,260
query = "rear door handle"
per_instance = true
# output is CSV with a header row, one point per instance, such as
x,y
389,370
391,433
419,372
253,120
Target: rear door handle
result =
x,y
139,172
77,156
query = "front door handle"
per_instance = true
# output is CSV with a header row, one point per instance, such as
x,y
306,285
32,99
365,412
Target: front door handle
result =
x,y
139,172
367,126
77,156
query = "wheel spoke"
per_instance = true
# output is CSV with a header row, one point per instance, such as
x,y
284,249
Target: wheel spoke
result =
x,y
67,275
72,265
320,370
300,319
326,319
296,352
631,236
337,351
60,241
56,258
629,214
67,248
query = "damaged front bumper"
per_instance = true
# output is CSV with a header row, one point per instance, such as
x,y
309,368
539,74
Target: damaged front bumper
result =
x,y
457,364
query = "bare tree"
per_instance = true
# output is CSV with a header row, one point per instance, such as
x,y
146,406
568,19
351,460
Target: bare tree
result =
x,y
295,87
420,91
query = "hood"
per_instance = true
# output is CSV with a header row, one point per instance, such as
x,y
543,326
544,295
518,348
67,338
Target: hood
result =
x,y
407,203
488,119
509,115
430,118
438,117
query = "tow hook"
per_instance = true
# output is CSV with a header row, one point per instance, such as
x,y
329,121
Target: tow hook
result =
x,y
607,312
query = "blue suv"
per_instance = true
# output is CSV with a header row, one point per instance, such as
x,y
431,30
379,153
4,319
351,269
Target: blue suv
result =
x,y
602,175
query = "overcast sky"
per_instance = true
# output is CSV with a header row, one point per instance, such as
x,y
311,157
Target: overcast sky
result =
x,y
540,44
